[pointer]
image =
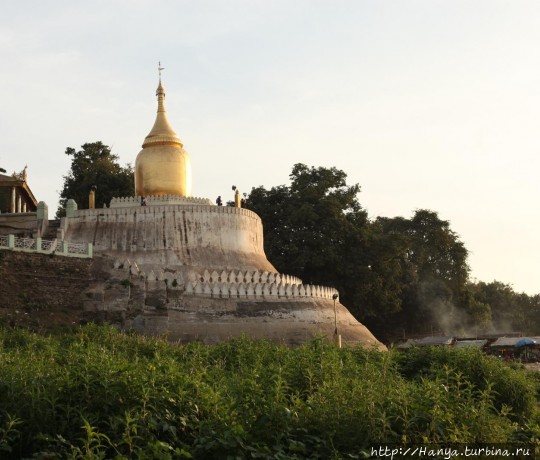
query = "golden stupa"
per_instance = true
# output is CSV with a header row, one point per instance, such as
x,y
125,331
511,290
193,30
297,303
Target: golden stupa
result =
x,y
163,166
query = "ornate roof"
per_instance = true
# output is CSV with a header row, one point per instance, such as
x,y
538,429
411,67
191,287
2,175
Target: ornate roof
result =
x,y
10,181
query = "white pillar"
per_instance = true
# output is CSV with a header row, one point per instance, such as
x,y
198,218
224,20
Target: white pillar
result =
x,y
12,205
71,208
19,201
42,211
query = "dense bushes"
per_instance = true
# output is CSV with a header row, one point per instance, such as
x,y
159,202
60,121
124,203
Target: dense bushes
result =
x,y
510,390
101,394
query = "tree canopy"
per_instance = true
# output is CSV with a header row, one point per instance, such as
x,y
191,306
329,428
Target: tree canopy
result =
x,y
316,229
95,165
397,275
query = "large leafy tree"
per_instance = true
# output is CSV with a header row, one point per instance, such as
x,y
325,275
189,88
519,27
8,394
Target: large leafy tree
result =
x,y
316,229
400,276
308,223
436,297
95,165
510,311
394,274
432,247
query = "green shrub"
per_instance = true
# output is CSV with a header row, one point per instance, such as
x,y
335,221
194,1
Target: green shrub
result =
x,y
511,387
99,393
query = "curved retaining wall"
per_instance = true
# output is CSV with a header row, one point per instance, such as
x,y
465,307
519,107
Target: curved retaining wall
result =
x,y
168,235
230,285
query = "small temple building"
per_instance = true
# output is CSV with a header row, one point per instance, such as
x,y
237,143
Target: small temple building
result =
x,y
15,195
169,263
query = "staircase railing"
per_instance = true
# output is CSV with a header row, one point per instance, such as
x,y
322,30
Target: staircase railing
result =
x,y
38,245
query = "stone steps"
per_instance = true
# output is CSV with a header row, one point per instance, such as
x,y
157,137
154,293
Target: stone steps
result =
x,y
52,228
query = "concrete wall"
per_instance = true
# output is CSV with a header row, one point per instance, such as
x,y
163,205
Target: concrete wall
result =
x,y
206,236
20,224
210,321
169,305
40,290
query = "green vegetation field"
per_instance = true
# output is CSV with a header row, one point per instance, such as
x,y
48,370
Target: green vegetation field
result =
x,y
97,393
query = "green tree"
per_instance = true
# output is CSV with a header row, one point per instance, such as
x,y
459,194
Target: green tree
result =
x,y
435,298
394,274
479,315
308,222
532,315
511,311
432,247
503,302
316,229
95,165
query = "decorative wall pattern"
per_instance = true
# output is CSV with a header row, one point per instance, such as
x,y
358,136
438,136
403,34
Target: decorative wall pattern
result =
x,y
232,284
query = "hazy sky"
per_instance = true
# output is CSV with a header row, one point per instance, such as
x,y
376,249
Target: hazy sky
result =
x,y
425,103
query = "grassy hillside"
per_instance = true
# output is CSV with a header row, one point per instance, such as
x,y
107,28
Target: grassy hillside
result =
x,y
98,393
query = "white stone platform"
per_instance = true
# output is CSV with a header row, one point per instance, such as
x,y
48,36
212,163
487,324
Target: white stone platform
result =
x,y
172,235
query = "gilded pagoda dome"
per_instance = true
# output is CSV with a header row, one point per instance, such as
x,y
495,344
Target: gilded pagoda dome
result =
x,y
162,166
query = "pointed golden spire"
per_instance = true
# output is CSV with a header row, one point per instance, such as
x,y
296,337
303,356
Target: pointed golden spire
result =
x,y
162,132
162,166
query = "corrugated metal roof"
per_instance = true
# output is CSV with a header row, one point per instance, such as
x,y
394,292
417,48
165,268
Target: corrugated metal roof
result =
x,y
435,341
470,343
511,341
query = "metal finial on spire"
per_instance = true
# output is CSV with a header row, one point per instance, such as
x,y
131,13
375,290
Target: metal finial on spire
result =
x,y
160,92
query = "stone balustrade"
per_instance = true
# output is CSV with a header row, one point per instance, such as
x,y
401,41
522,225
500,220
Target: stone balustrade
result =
x,y
247,277
119,210
37,245
232,284
157,200
270,291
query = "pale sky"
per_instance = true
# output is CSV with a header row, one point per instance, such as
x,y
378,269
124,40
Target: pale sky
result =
x,y
425,103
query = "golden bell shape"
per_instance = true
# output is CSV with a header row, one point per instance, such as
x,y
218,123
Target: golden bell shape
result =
x,y
162,166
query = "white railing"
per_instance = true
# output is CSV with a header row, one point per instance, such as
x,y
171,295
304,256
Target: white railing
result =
x,y
25,243
57,247
158,200
49,245
76,248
